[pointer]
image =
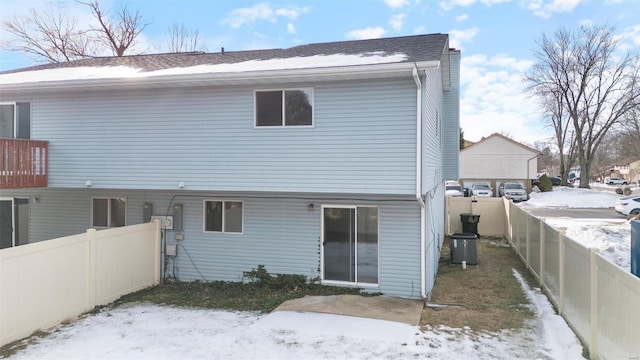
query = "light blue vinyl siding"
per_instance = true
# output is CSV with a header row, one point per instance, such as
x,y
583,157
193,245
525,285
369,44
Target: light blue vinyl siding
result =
x,y
279,232
362,141
451,118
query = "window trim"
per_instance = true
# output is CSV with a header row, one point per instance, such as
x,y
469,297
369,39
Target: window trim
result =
x,y
223,231
15,117
109,198
282,125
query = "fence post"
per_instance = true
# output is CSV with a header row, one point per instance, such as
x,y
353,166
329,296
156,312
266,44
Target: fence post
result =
x,y
542,252
593,268
91,271
561,233
157,233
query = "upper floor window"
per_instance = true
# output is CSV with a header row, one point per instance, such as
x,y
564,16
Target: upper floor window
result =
x,y
109,212
15,120
291,107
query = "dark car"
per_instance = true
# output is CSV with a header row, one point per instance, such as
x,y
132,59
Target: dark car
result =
x,y
555,180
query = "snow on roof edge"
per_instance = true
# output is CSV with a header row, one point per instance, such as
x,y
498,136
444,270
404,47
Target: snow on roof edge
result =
x,y
127,72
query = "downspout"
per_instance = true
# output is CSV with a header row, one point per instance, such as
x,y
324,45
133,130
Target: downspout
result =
x,y
423,266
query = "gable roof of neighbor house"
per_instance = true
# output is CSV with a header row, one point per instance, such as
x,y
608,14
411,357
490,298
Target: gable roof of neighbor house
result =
x,y
500,136
346,56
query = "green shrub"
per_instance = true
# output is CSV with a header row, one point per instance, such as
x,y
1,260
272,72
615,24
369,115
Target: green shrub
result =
x,y
544,183
261,277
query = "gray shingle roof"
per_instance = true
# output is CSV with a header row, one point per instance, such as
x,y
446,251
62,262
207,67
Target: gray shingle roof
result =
x,y
416,48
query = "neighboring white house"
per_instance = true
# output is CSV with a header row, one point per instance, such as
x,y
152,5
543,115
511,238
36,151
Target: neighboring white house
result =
x,y
326,160
498,158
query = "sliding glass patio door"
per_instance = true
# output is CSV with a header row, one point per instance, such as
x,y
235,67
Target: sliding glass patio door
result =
x,y
14,222
350,244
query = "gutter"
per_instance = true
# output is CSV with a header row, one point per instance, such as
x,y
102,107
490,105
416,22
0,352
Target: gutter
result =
x,y
423,265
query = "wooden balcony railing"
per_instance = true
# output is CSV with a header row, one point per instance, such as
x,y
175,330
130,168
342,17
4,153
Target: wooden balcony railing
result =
x,y
23,163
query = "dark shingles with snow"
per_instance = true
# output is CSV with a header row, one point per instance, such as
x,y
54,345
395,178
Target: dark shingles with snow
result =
x,y
416,48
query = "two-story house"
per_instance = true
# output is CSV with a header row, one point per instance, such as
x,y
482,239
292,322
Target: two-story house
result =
x,y
326,159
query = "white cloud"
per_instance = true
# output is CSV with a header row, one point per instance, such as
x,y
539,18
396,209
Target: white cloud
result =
x,y
394,4
457,37
262,12
366,33
421,29
545,8
586,22
291,29
494,99
397,21
462,17
450,4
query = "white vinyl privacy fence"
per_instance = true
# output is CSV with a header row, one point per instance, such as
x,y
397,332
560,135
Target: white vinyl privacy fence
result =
x,y
598,299
45,283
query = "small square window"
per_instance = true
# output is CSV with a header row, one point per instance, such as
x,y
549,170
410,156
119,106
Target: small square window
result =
x,y
223,216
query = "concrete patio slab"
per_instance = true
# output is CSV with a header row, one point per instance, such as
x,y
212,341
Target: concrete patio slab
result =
x,y
375,307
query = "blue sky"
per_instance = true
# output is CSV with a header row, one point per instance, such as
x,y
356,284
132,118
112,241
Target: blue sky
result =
x,y
496,38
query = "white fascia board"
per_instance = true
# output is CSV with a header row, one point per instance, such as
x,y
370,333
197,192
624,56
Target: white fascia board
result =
x,y
357,72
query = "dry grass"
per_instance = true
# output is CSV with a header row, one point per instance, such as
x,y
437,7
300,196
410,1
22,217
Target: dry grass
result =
x,y
487,295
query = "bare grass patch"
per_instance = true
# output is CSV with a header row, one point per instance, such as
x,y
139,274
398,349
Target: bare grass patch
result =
x,y
483,297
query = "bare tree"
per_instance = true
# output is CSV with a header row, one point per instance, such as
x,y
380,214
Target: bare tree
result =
x,y
590,82
48,35
52,34
118,32
182,39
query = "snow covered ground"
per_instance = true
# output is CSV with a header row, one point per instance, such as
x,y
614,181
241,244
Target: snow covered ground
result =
x,y
145,331
611,236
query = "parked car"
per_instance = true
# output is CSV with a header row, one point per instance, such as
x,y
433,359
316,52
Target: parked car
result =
x,y
481,189
628,205
453,190
513,190
616,181
555,180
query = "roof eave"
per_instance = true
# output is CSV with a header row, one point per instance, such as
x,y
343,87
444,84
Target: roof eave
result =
x,y
356,72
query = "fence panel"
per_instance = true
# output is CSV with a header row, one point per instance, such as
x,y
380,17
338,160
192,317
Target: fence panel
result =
x,y
551,271
534,245
42,284
618,315
522,234
45,283
491,211
577,300
127,261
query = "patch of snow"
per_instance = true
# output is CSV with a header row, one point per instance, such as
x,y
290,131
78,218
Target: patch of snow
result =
x,y
557,340
611,237
571,198
115,72
145,331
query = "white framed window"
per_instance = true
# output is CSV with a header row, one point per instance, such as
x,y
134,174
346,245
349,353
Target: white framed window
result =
x,y
15,120
223,216
108,212
283,108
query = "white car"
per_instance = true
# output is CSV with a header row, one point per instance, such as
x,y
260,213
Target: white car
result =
x,y
616,181
481,189
453,190
513,190
628,205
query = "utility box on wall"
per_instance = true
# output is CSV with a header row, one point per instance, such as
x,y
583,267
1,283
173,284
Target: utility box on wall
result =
x,y
177,217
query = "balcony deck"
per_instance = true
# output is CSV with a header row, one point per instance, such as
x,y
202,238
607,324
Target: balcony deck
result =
x,y
23,163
